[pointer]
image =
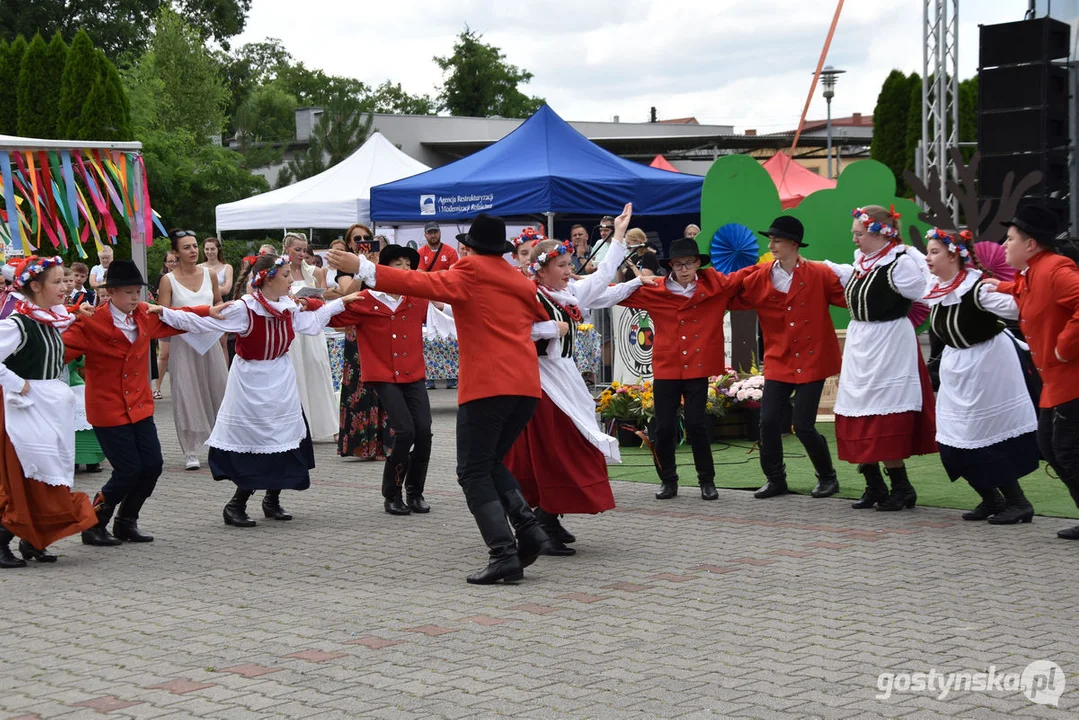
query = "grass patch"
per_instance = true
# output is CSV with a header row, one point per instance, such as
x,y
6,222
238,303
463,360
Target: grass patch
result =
x,y
738,467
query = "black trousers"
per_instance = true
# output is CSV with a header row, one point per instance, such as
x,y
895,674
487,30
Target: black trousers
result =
x,y
668,395
776,398
1058,440
135,455
486,430
408,409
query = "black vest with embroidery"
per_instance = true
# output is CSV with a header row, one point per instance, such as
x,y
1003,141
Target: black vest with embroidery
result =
x,y
40,355
873,297
966,323
558,315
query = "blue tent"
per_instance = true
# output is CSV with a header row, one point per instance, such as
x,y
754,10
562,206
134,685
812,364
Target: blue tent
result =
x,y
542,166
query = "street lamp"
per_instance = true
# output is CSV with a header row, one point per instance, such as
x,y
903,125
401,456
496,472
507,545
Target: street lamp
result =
x,y
828,78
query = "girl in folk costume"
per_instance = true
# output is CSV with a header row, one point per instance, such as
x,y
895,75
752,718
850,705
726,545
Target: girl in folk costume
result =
x,y
522,248
986,424
261,440
37,443
560,460
389,338
884,407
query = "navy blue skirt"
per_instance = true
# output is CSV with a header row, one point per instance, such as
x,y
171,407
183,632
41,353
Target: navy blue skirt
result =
x,y
1009,459
288,470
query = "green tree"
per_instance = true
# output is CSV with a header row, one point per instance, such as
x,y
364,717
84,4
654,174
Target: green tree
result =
x,y
106,113
914,121
35,118
968,113
314,87
119,27
249,67
78,78
480,83
392,98
890,124
264,124
340,130
10,65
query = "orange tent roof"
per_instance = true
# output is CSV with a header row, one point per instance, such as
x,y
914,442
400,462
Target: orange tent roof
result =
x,y
793,181
661,162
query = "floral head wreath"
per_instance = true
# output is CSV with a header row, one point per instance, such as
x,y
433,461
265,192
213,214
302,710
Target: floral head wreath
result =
x,y
564,248
528,235
956,243
875,226
33,266
259,279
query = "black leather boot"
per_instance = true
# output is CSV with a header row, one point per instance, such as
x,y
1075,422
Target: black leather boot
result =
x,y
552,526
708,490
99,534
875,489
29,552
271,506
532,539
415,480
235,512
1018,510
504,563
126,525
395,505
774,487
668,490
992,503
902,495
7,559
827,486
393,476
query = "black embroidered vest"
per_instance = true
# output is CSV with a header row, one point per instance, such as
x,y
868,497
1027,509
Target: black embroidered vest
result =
x,y
555,313
40,355
966,323
873,298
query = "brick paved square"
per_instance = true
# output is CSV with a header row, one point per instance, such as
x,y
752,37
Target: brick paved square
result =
x,y
669,609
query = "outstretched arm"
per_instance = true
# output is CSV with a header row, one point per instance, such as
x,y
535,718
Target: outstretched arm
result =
x,y
233,319
311,322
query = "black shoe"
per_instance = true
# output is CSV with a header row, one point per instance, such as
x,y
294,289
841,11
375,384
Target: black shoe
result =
x,y
554,528
668,490
128,531
396,506
557,548
7,559
29,552
1071,533
532,539
507,569
772,488
271,506
504,564
100,537
708,491
1018,510
827,486
992,503
875,489
902,495
93,468
417,504
235,512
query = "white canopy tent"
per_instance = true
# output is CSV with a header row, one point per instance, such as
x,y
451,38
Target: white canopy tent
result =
x,y
335,198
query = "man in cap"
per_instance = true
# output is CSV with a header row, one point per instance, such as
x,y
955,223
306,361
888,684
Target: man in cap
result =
x,y
1046,289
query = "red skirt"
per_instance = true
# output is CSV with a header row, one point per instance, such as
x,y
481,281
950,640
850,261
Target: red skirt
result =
x,y
35,512
876,438
557,468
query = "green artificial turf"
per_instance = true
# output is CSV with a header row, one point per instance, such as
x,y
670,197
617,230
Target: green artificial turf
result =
x,y
738,467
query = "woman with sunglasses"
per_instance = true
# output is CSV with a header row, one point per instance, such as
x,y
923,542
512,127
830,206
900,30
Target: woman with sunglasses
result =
x,y
199,371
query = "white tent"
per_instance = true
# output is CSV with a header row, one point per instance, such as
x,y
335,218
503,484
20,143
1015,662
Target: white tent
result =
x,y
335,198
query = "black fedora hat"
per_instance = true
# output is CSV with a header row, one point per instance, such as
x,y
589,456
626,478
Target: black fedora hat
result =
x,y
487,235
122,273
685,247
393,252
788,228
1037,222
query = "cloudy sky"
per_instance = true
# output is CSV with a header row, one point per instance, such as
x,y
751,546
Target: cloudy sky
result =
x,y
747,63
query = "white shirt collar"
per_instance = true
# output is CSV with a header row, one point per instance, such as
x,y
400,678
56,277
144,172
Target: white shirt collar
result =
x,y
675,287
386,299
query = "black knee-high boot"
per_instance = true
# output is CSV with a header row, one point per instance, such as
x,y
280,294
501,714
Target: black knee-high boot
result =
x,y
1018,510
902,495
875,489
271,506
99,534
235,512
126,525
532,540
557,534
7,559
504,563
992,503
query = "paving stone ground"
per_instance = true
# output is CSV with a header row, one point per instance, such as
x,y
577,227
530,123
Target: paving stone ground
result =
x,y
789,608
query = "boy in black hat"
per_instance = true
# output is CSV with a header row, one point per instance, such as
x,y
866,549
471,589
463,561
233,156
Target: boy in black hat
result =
x,y
1046,289
119,403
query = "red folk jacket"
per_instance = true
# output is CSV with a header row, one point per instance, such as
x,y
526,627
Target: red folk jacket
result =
x,y
1048,298
494,307
800,344
117,370
689,330
390,341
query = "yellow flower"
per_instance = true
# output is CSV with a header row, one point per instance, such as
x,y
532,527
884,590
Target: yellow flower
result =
x,y
615,385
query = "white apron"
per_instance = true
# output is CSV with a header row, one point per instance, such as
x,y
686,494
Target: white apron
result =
x,y
41,425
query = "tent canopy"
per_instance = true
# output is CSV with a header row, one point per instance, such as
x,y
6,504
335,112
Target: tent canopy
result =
x,y
335,198
793,181
542,166
661,163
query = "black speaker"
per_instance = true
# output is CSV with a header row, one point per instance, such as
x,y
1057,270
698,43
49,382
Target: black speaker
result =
x,y
1025,130
1026,41
1023,86
1053,166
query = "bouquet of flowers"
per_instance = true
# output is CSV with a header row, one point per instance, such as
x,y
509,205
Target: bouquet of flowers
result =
x,y
747,393
627,402
734,390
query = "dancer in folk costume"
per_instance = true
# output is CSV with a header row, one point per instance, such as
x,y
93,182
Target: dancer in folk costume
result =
x,y
261,440
37,443
561,458
986,423
885,407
